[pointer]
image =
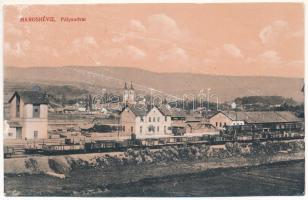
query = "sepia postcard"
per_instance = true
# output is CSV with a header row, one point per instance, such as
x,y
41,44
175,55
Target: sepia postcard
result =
x,y
153,100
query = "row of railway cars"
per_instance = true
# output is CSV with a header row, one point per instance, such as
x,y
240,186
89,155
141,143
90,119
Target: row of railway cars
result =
x,y
113,145
69,147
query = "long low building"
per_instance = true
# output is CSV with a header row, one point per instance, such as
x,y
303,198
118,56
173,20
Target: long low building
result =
x,y
272,120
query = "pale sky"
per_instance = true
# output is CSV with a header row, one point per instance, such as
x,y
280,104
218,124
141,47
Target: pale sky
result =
x,y
227,39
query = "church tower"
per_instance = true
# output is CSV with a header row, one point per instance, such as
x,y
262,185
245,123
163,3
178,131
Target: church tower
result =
x,y
125,94
131,98
129,94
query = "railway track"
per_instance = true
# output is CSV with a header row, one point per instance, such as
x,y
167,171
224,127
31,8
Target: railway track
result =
x,y
116,146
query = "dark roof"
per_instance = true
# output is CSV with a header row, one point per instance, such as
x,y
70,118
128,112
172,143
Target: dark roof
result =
x,y
31,97
137,111
164,110
173,112
211,113
178,113
262,116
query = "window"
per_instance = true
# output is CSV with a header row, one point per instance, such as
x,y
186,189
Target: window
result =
x,y
225,124
157,128
36,111
35,134
149,119
154,129
165,118
142,119
123,128
165,129
158,119
131,129
216,123
140,129
151,128
220,124
153,119
17,106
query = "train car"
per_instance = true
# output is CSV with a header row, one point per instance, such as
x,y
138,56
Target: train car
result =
x,y
162,141
170,140
32,149
244,138
150,142
62,149
105,145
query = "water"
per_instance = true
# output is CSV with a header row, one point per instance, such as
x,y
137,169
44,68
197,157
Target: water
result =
x,y
274,180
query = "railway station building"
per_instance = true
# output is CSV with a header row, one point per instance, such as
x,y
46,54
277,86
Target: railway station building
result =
x,y
143,122
269,120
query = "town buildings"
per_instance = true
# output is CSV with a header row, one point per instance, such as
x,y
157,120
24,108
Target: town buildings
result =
x,y
28,115
29,118
161,121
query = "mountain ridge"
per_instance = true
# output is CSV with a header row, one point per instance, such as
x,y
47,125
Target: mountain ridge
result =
x,y
136,68
95,78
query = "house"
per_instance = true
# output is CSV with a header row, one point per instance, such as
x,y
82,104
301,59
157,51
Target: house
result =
x,y
195,125
28,115
177,117
221,119
270,120
156,122
143,122
128,119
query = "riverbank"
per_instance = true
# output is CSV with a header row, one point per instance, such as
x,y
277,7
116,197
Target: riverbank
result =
x,y
104,170
282,178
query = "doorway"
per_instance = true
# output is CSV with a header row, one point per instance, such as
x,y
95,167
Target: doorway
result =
x,y
18,133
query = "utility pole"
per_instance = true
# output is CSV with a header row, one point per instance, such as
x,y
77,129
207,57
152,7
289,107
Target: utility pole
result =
x,y
151,98
208,98
118,127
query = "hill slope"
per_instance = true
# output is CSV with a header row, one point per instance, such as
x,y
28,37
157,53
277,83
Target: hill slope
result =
x,y
96,78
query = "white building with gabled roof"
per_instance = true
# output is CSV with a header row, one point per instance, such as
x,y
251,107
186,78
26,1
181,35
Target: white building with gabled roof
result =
x,y
144,122
28,115
155,122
